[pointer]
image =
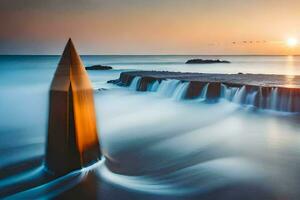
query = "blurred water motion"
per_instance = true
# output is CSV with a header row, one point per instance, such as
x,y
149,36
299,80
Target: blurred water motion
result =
x,y
156,147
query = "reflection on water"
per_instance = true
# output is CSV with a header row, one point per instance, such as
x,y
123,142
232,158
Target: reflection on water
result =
x,y
290,66
290,70
156,147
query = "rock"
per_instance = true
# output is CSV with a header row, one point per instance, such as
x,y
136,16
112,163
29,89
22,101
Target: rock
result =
x,y
202,61
113,81
98,67
101,89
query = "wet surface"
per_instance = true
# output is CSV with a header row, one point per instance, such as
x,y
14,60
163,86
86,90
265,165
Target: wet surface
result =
x,y
242,79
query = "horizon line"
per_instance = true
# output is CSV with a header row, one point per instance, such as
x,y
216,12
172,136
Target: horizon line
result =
x,y
154,55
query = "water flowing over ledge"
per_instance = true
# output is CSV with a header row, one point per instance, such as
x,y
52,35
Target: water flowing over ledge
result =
x,y
273,92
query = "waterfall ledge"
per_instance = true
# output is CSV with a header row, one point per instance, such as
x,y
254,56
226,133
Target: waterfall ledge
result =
x,y
274,92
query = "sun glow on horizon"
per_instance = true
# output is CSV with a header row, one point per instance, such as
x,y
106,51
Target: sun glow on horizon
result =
x,y
292,42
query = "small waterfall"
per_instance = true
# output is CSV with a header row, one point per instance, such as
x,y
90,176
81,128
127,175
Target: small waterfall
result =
x,y
134,83
167,87
203,93
290,102
250,98
228,93
274,98
263,98
181,90
153,87
285,102
260,98
239,95
223,91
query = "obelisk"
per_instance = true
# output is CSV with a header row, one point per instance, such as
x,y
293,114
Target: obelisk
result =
x,y
72,141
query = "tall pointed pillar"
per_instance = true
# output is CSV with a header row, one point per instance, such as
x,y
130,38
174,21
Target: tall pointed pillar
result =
x,y
72,134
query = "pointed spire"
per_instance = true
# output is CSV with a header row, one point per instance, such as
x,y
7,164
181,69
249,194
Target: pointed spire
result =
x,y
70,55
72,133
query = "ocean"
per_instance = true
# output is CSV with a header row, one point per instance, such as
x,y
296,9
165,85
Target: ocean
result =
x,y
159,146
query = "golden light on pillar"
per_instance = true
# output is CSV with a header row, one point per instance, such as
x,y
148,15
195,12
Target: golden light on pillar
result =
x,y
72,133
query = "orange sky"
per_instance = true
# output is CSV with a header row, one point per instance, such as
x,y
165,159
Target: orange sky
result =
x,y
150,27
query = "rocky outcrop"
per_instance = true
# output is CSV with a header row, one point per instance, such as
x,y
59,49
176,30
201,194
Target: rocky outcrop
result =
x,y
98,67
124,80
145,82
204,61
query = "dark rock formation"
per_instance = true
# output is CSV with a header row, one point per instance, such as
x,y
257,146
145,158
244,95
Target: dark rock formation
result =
x,y
213,91
72,141
194,89
98,67
124,80
202,61
101,89
145,82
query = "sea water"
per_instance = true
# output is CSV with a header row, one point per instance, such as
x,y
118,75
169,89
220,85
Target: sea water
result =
x,y
157,146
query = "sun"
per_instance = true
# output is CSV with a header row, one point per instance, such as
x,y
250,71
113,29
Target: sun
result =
x,y
292,42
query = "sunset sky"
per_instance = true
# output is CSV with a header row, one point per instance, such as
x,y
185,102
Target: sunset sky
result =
x,y
150,26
